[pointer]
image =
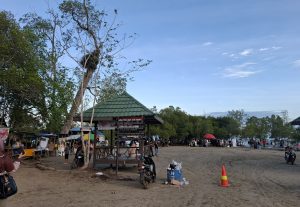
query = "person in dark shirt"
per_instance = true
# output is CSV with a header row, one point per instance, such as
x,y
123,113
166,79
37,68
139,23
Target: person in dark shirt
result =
x,y
7,165
67,152
156,148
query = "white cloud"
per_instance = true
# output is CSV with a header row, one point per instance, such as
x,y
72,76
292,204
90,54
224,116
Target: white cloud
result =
x,y
207,43
296,63
246,52
264,49
240,71
276,48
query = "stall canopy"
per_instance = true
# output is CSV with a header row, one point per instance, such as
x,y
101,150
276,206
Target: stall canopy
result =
x,y
85,137
296,121
123,105
209,136
76,134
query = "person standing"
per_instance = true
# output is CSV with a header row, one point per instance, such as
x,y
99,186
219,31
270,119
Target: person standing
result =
x,y
7,165
67,152
156,148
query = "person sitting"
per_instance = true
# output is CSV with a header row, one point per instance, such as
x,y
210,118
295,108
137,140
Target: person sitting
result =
x,y
132,150
17,148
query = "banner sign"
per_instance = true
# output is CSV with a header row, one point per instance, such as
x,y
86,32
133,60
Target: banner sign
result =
x,y
106,125
4,133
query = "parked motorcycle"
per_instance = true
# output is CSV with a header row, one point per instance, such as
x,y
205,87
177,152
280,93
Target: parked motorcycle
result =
x,y
147,172
78,160
289,156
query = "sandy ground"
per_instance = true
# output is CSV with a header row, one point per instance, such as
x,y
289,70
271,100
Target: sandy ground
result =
x,y
256,177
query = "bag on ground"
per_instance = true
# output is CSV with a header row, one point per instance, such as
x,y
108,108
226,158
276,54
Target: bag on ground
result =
x,y
8,186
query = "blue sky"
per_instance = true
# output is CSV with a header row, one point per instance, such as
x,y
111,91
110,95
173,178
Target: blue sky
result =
x,y
208,55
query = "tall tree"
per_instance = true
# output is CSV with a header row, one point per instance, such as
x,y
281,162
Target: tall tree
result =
x,y
59,87
251,127
22,96
88,32
225,127
279,128
258,127
239,116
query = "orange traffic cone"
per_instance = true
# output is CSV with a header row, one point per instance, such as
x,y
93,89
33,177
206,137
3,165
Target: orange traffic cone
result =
x,y
224,180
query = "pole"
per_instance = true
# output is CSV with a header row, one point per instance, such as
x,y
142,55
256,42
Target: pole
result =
x,y
95,139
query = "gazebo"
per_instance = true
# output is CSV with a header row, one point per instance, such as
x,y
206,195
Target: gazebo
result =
x,y
296,121
129,119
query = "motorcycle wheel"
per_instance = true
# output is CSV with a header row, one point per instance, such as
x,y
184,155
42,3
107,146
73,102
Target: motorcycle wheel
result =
x,y
73,165
145,184
80,163
153,179
143,181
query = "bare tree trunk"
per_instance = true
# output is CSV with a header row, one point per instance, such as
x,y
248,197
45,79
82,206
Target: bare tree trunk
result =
x,y
69,120
87,157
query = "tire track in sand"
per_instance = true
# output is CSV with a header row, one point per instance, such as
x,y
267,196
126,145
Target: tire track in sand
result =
x,y
264,187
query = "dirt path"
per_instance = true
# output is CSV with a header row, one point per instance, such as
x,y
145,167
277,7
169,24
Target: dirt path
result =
x,y
256,177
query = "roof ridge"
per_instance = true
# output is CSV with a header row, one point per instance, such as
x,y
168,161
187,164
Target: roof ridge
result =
x,y
120,105
139,103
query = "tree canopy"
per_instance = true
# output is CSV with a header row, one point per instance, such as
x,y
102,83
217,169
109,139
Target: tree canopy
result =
x,y
180,127
37,86
22,99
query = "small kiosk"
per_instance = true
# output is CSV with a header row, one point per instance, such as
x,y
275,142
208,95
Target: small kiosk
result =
x,y
128,121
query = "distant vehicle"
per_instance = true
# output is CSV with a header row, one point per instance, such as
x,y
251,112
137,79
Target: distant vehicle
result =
x,y
289,155
78,160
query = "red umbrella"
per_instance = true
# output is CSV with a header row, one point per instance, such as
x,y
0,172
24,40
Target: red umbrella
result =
x,y
209,136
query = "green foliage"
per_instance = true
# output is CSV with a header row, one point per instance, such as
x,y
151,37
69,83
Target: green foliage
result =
x,y
257,128
88,32
225,127
295,135
238,115
22,88
33,78
58,87
180,127
279,127
273,126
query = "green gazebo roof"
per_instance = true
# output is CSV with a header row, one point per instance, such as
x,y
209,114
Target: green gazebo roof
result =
x,y
296,121
123,105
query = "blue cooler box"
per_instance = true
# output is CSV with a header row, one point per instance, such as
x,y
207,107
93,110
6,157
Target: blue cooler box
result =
x,y
174,175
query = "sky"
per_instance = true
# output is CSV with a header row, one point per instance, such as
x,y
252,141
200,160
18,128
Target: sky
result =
x,y
208,55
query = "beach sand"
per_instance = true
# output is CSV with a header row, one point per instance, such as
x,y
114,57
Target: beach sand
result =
x,y
256,178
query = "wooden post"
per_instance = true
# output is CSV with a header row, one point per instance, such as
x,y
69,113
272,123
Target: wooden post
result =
x,y
117,157
148,130
95,139
111,141
117,154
